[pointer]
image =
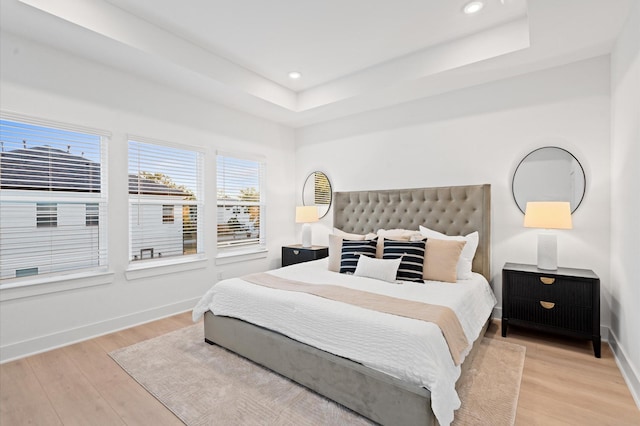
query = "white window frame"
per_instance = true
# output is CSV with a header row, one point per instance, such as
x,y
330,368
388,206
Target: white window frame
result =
x,y
32,285
228,252
140,268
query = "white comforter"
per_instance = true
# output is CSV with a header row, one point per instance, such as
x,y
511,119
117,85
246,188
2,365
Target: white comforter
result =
x,y
412,350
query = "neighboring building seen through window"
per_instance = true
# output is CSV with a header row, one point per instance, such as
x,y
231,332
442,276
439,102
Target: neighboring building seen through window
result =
x,y
241,204
163,181
49,175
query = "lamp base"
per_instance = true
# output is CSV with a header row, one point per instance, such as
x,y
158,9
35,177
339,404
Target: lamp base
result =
x,y
547,252
306,235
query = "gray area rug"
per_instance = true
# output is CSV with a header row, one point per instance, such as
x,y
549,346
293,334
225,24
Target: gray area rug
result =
x,y
205,384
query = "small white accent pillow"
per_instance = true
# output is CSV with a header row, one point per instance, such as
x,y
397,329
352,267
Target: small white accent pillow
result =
x,y
463,268
380,269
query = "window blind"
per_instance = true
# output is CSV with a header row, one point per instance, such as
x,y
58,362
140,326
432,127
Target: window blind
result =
x,y
165,200
322,189
48,175
241,203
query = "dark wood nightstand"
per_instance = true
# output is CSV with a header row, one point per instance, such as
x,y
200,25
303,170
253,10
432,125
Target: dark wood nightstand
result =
x,y
297,254
565,301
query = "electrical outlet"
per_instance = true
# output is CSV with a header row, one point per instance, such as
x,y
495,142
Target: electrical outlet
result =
x,y
219,276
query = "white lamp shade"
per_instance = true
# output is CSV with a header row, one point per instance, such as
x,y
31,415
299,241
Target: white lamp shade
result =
x,y
306,214
548,214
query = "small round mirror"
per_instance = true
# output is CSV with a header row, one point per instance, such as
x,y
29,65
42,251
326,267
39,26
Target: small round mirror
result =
x,y
317,192
549,174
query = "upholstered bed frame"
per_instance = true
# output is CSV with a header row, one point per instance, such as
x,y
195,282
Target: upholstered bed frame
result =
x,y
457,210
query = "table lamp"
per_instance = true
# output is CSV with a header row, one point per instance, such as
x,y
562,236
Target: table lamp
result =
x,y
306,215
548,215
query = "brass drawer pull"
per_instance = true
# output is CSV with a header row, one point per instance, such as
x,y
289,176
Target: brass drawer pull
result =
x,y
547,280
547,305
296,252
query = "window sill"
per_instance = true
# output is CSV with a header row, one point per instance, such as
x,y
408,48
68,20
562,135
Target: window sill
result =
x,y
153,268
19,289
233,256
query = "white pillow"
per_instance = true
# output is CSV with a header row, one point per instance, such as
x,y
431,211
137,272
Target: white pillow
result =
x,y
463,268
380,269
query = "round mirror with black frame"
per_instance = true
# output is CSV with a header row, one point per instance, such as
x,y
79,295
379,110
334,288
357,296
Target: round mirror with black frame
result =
x,y
317,192
549,173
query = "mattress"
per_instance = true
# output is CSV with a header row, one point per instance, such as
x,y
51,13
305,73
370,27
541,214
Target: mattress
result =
x,y
411,350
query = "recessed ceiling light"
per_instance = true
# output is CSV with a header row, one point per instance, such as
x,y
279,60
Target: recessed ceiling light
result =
x,y
473,7
295,75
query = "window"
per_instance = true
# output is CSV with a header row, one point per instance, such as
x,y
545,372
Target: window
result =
x,y
167,213
46,215
164,180
92,214
241,204
49,173
322,189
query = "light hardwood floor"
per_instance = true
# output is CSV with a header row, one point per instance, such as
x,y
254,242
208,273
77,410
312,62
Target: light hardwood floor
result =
x,y
562,383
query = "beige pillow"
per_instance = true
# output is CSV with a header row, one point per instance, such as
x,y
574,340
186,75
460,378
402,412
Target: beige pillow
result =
x,y
335,246
465,263
441,258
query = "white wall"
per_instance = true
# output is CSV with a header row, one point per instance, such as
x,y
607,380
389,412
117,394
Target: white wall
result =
x,y
478,135
625,199
45,83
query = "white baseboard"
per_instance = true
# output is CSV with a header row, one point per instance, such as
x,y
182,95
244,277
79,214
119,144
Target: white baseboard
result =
x,y
630,376
48,342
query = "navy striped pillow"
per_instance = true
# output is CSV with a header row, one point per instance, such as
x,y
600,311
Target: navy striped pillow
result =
x,y
412,253
351,251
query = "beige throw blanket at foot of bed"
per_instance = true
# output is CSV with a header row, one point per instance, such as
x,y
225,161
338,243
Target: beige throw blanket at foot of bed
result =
x,y
442,316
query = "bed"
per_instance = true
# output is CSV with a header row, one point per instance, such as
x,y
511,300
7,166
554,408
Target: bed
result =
x,y
378,394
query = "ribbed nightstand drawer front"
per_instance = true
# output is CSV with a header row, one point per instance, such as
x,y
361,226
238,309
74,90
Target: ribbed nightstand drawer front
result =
x,y
544,287
554,314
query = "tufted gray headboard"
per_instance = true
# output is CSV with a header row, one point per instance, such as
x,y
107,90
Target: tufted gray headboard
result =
x,y
452,210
